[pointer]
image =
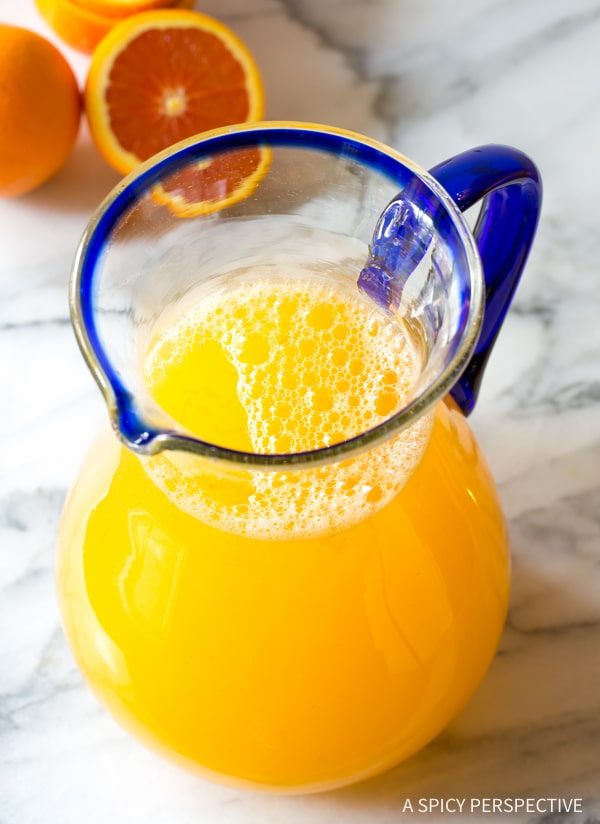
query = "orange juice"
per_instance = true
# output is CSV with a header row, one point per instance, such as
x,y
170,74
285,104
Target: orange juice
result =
x,y
285,630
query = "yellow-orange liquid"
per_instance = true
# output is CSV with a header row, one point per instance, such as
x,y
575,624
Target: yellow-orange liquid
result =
x,y
232,631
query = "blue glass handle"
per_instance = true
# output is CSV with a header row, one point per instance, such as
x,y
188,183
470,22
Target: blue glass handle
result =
x,y
511,188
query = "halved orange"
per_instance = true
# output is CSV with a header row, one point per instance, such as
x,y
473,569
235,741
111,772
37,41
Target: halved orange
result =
x,y
82,25
161,76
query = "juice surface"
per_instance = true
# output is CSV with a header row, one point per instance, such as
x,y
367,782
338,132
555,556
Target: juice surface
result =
x,y
281,366
244,638
284,366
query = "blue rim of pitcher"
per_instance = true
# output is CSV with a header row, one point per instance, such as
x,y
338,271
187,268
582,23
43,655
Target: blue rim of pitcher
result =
x,y
128,421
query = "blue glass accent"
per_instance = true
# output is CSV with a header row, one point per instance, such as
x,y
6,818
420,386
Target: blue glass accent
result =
x,y
506,179
400,240
402,236
134,428
511,188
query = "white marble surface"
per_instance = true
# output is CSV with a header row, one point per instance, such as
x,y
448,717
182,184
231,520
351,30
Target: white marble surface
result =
x,y
431,78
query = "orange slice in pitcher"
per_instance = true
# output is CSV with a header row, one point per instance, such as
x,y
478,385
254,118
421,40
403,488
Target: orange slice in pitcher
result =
x,y
161,76
214,183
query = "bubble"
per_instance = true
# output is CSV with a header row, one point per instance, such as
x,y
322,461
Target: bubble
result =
x,y
386,403
356,366
322,399
254,350
374,494
320,317
339,357
289,379
307,347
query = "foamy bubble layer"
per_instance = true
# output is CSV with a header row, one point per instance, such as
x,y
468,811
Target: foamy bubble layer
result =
x,y
284,366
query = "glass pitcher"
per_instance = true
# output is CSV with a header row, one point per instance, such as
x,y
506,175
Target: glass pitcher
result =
x,y
284,565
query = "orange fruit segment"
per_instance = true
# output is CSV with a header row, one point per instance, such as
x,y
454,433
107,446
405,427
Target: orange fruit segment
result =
x,y
161,76
214,183
40,109
82,25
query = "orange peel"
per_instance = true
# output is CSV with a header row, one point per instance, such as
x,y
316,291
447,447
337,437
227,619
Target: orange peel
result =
x,y
162,76
40,108
83,26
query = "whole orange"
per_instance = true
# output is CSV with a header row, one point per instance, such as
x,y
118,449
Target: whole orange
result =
x,y
83,23
40,108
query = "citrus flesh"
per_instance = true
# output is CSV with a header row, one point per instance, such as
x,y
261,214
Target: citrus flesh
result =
x,y
40,108
213,184
161,76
